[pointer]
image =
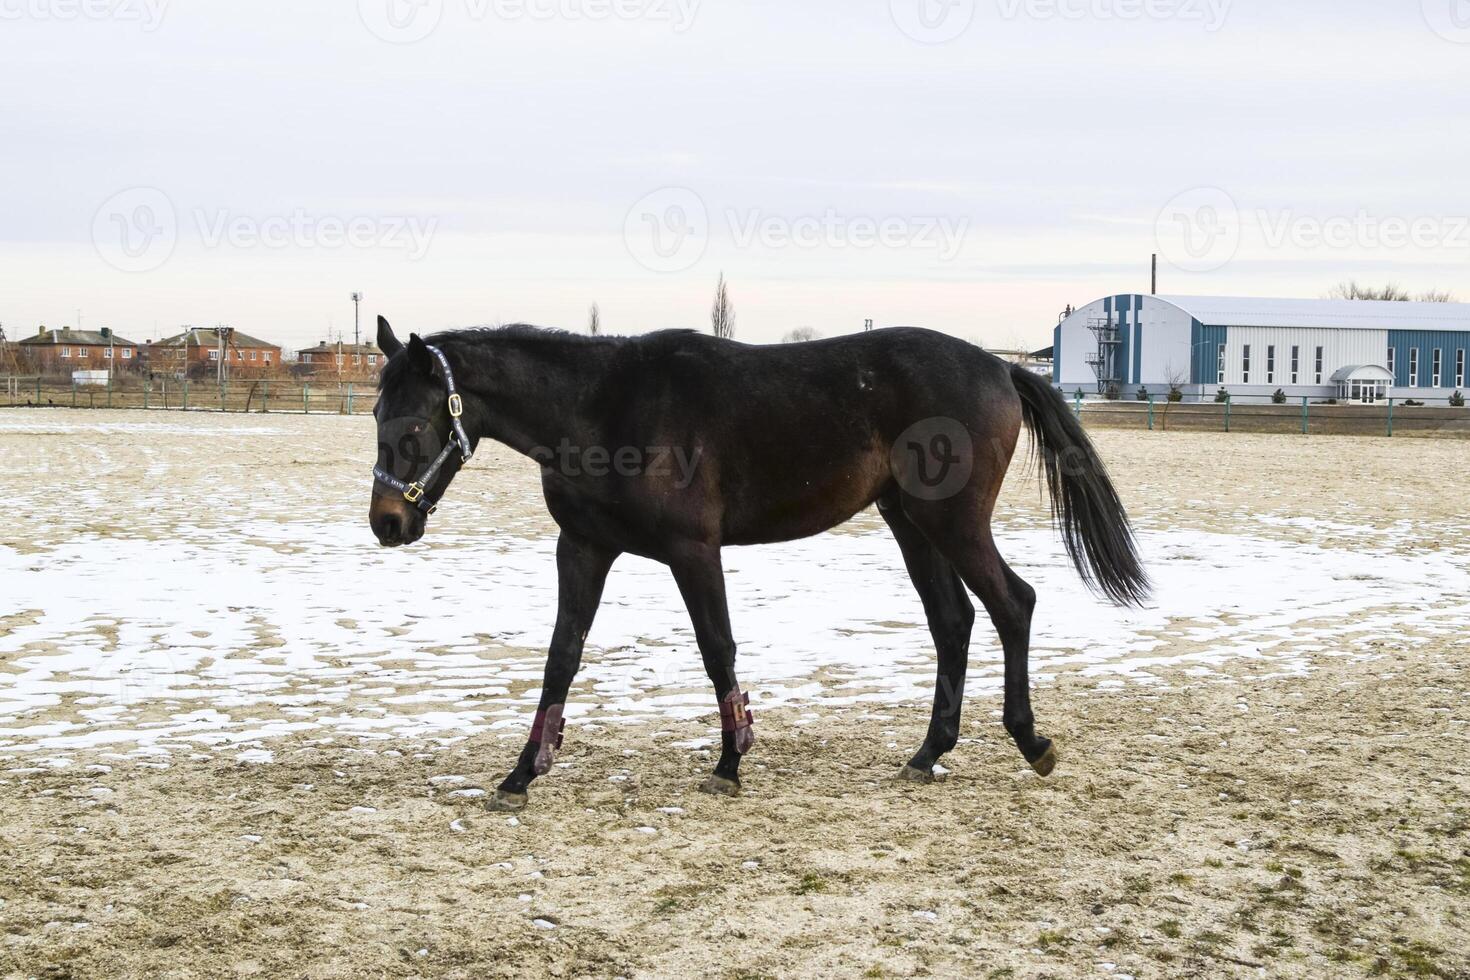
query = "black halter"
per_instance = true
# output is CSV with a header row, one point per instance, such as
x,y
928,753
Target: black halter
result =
x,y
415,492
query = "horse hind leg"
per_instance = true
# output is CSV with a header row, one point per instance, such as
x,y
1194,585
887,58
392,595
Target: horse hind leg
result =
x,y
951,618
1010,602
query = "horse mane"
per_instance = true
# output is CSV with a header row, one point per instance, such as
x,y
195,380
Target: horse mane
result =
x,y
529,335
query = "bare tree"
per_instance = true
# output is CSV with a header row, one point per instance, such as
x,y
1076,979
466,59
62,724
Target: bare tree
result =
x,y
1392,292
594,321
801,335
722,314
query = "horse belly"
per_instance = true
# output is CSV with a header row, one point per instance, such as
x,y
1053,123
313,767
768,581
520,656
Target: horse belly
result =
x,y
790,502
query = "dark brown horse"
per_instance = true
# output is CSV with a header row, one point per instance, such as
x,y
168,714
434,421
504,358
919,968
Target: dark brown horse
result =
x,y
673,445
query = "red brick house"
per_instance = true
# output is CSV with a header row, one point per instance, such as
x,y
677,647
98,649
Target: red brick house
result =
x,y
339,361
197,351
66,350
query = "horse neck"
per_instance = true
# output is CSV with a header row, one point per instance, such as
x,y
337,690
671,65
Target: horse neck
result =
x,y
525,389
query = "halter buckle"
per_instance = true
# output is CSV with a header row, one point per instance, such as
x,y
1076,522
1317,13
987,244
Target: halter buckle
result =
x,y
414,492
456,405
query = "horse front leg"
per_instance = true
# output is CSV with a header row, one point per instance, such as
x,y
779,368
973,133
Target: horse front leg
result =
x,y
582,569
701,581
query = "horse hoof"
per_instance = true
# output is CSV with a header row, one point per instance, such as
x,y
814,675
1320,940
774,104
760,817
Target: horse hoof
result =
x,y
720,786
503,802
1047,762
912,775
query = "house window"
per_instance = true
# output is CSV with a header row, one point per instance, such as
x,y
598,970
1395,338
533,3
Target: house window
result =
x,y
66,352
372,358
356,358
252,355
1271,364
1319,365
1391,359
1296,363
267,357
127,353
1437,367
1460,368
1413,367
82,352
1245,365
107,353
214,355
1220,365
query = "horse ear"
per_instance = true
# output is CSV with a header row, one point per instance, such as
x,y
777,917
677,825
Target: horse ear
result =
x,y
418,355
387,343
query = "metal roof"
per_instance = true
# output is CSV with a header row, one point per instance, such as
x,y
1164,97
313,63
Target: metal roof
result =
x,y
82,338
1362,372
209,337
1242,311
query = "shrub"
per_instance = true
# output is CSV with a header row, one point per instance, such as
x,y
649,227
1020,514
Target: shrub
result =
x,y
1278,397
1078,394
1411,403
1142,393
1175,394
1457,400
1222,395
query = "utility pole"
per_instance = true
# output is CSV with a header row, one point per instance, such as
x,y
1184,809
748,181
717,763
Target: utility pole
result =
x,y
356,319
223,332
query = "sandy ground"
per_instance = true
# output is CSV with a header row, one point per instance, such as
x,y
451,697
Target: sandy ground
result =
x,y
1253,821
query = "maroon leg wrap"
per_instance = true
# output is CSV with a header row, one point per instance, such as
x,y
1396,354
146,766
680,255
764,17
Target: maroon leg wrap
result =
x,y
736,716
547,731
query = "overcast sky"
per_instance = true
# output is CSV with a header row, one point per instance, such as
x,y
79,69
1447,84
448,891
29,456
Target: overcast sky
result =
x,y
969,166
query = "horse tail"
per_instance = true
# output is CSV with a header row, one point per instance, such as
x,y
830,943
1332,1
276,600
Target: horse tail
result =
x,y
1084,504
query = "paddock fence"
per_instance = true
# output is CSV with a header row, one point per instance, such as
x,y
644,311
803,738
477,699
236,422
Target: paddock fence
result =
x,y
1304,416
274,395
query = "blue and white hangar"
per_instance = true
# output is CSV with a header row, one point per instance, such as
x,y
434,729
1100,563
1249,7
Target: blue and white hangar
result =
x,y
1352,350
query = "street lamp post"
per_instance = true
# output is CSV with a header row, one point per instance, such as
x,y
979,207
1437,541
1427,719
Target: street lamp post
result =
x,y
356,320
